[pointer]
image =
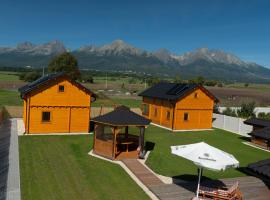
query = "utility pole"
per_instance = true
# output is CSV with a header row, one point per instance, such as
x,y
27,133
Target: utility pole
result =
x,y
42,70
106,81
145,83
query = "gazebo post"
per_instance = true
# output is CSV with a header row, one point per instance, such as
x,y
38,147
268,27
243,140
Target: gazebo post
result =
x,y
141,141
114,143
126,132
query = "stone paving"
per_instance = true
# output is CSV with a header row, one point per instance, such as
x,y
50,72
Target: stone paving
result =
x,y
9,161
252,188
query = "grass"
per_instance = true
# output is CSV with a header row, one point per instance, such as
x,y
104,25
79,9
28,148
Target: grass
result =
x,y
254,86
58,167
163,162
132,103
8,76
10,98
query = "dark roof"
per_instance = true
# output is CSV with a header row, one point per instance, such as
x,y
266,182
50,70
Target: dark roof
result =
x,y
45,80
122,116
263,133
257,122
262,167
172,91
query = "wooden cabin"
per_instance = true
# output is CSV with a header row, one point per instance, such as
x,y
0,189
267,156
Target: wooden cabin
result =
x,y
112,138
179,106
260,135
56,104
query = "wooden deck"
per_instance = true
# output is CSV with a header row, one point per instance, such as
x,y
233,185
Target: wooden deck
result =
x,y
251,187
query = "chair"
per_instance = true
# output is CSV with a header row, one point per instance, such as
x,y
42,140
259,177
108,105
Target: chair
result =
x,y
232,193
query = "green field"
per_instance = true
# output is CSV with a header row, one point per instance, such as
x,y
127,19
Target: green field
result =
x,y
8,76
10,98
163,162
254,86
59,167
111,102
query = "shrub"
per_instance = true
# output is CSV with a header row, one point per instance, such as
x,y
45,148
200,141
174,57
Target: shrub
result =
x,y
263,115
230,112
246,110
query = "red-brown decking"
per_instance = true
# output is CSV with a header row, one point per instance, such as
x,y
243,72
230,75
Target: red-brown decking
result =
x,y
251,187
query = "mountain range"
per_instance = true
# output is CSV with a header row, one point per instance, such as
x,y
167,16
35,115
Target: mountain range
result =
x,y
120,56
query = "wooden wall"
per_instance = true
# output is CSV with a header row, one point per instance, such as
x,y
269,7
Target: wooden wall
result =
x,y
70,110
200,111
158,111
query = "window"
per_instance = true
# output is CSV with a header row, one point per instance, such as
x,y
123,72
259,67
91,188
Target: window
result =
x,y
145,109
196,95
186,116
46,116
168,115
155,112
61,88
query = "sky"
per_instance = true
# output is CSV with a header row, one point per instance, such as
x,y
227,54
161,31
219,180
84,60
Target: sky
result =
x,y
241,27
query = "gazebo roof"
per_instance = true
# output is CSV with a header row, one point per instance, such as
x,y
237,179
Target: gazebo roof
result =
x,y
261,167
122,116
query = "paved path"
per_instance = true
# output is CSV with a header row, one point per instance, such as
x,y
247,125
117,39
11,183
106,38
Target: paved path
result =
x,y
251,187
9,161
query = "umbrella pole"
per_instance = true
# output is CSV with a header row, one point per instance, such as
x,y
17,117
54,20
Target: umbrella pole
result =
x,y
199,181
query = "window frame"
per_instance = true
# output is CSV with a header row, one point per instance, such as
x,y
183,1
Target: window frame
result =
x,y
186,117
168,115
155,112
145,107
42,116
61,86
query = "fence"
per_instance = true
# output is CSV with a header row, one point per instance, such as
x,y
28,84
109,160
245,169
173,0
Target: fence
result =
x,y
257,110
232,124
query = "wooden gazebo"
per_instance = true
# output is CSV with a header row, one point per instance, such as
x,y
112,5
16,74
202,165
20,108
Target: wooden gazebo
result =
x,y
111,134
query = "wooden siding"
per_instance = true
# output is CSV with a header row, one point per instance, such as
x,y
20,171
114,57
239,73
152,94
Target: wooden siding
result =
x,y
70,110
160,115
199,109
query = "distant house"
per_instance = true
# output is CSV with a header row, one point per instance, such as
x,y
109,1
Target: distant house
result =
x,y
56,104
261,132
179,106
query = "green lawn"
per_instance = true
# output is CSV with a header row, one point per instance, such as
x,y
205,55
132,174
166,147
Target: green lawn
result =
x,y
132,103
10,98
8,76
163,162
58,167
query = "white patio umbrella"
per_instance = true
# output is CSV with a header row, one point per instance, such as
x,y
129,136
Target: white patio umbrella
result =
x,y
205,156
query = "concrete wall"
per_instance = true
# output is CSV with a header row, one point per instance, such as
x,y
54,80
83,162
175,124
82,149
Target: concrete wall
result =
x,y
232,124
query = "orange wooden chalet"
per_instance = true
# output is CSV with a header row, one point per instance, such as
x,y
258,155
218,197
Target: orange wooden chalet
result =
x,y
179,106
56,104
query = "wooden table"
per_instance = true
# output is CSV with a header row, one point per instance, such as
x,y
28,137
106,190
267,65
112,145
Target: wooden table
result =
x,y
127,143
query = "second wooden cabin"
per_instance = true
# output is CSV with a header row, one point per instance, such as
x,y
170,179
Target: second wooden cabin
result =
x,y
179,106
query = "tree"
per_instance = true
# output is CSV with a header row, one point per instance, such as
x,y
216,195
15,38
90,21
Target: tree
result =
x,y
246,85
67,63
200,80
30,76
246,110
177,79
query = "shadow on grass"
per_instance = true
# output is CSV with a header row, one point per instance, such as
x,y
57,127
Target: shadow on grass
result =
x,y
247,139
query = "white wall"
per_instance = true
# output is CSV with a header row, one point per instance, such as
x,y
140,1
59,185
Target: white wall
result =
x,y
232,124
